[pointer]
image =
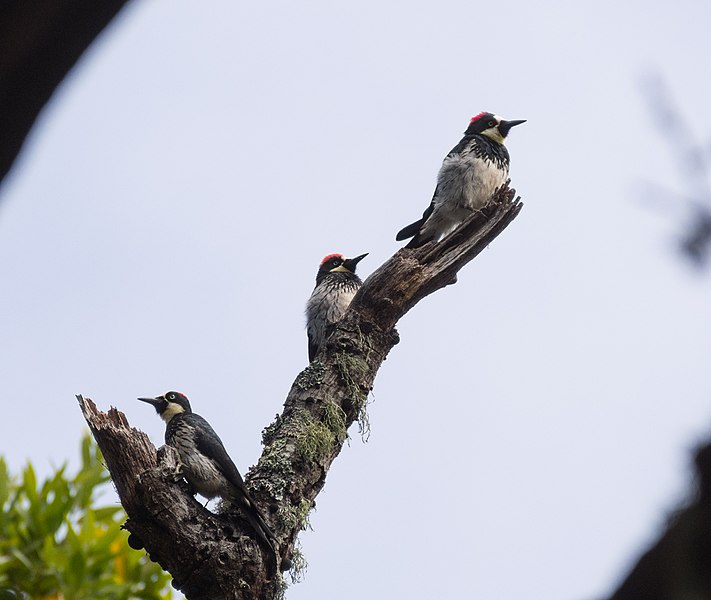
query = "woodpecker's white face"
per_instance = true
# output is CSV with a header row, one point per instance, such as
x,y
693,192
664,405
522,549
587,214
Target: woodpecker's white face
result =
x,y
333,263
171,409
492,130
169,404
337,263
492,126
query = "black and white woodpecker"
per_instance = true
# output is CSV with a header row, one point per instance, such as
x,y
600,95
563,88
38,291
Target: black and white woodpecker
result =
x,y
470,174
336,284
205,462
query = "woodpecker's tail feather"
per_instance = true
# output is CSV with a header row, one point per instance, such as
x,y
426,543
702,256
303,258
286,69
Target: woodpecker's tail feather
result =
x,y
419,240
261,529
410,230
256,521
266,536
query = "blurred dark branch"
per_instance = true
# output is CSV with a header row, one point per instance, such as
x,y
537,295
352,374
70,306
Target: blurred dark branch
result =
x,y
300,446
693,164
678,566
40,41
691,159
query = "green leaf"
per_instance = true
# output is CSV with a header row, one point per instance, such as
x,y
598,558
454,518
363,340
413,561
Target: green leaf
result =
x,y
29,483
4,483
56,540
19,556
86,453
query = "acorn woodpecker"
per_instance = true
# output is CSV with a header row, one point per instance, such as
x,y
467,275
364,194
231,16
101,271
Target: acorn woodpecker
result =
x,y
470,174
336,284
205,462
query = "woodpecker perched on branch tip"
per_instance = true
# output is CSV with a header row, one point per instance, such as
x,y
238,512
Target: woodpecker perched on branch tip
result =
x,y
470,174
336,284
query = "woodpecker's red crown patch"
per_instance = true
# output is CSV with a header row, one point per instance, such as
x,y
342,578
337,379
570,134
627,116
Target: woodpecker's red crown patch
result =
x,y
329,257
479,116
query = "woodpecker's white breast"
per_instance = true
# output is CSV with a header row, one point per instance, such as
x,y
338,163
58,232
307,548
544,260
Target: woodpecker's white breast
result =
x,y
465,183
327,305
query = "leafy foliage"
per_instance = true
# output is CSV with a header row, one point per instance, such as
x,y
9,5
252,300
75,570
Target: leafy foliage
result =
x,y
55,543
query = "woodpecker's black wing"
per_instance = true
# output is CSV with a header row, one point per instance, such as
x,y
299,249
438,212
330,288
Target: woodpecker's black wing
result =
x,y
413,228
209,444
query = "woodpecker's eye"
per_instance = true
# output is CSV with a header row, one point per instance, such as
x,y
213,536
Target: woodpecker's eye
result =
x,y
171,396
492,123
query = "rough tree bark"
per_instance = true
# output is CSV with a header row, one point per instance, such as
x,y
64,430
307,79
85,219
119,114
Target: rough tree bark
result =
x,y
213,555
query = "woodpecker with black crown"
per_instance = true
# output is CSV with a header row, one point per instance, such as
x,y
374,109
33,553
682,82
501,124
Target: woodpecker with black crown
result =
x,y
336,284
205,463
470,174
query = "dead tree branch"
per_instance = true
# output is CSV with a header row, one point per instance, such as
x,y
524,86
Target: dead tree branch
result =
x,y
212,555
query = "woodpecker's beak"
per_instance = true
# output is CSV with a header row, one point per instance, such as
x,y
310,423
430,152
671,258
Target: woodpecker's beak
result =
x,y
505,126
350,263
153,401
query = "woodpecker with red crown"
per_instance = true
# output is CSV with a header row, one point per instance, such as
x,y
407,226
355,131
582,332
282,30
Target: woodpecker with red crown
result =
x,y
336,284
473,170
204,462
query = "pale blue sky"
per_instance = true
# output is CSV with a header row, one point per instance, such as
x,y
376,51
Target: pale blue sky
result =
x,y
162,231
